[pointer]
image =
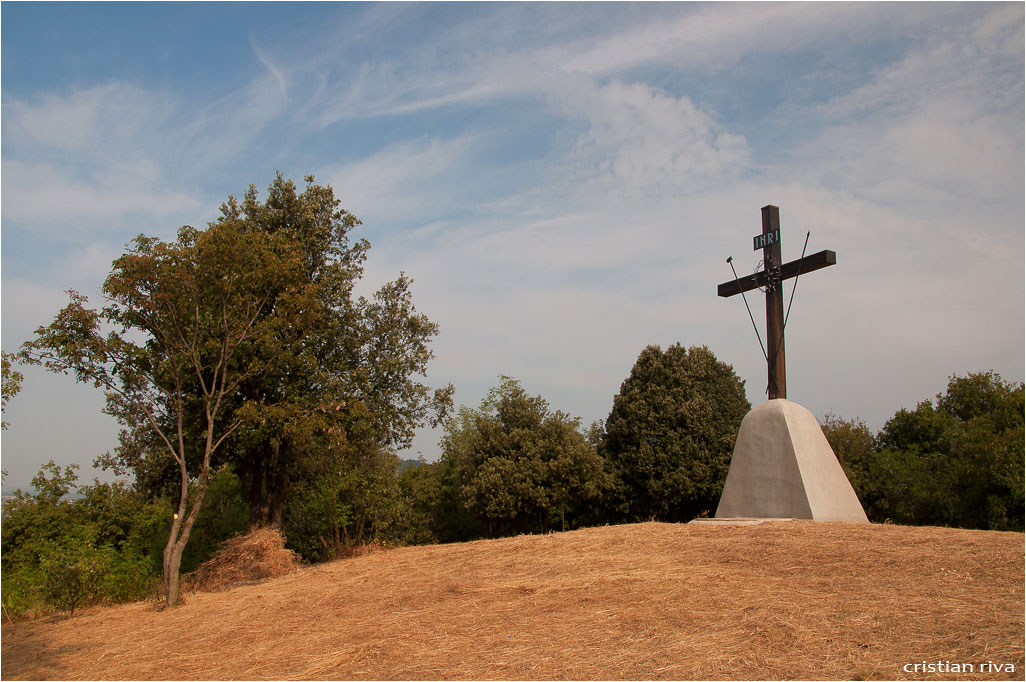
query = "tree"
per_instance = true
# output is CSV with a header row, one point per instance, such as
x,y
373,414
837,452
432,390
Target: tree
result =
x,y
11,383
188,323
960,462
671,431
420,490
855,447
358,352
357,504
346,496
954,461
357,355
520,466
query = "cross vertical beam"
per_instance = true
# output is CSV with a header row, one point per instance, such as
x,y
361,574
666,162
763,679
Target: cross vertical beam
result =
x,y
776,370
772,277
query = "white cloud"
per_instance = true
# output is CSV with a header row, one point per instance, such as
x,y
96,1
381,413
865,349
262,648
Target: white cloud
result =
x,y
642,195
90,121
640,140
79,162
713,34
401,181
274,70
384,89
223,131
933,144
719,36
45,197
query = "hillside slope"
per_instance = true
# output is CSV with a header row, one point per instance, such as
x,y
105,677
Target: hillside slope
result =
x,y
775,600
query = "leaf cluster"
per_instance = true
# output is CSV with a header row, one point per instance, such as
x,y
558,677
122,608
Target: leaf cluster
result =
x,y
954,461
671,431
66,545
11,383
61,552
518,465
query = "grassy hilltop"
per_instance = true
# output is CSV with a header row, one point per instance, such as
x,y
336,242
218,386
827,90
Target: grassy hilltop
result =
x,y
660,601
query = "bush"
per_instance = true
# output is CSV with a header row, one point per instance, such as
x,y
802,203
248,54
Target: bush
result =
x,y
61,554
21,588
354,501
73,573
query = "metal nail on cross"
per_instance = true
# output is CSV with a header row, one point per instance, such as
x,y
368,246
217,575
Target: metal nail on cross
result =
x,y
772,277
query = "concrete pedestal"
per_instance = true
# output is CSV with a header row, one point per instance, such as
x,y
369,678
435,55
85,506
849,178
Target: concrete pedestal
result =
x,y
783,467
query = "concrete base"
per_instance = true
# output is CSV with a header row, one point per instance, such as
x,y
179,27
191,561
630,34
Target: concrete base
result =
x,y
783,467
732,522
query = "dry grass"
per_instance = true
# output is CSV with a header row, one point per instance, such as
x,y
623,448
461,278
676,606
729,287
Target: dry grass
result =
x,y
257,555
653,601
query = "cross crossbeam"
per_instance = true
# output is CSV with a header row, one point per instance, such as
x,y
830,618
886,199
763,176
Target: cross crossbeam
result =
x,y
771,278
810,263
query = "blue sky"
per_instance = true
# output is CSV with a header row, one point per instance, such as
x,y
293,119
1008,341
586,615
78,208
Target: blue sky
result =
x,y
563,182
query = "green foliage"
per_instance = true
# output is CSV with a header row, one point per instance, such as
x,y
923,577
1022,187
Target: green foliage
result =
x,y
244,343
955,462
61,553
103,544
32,524
224,515
670,434
124,519
356,355
872,472
190,321
518,466
855,447
11,382
420,499
359,355
983,396
72,573
441,498
959,463
316,514
21,590
353,503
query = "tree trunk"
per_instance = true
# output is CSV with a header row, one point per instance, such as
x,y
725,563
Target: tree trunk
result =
x,y
256,497
276,497
277,504
180,532
172,559
172,572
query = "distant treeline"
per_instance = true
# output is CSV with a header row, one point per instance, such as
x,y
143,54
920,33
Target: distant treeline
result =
x,y
512,465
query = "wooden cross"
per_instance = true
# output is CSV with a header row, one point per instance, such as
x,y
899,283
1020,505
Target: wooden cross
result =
x,y
772,277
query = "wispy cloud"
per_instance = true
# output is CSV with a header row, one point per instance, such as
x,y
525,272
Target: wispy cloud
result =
x,y
82,206
275,71
404,181
640,140
77,163
89,121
